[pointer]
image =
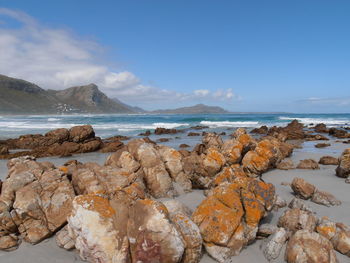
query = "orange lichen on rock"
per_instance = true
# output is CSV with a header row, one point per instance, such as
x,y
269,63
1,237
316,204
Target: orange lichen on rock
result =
x,y
63,169
95,203
214,155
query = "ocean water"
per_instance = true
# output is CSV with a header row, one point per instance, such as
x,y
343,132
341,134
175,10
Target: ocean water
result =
x,y
113,124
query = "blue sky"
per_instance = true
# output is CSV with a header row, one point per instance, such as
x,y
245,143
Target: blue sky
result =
x,y
242,55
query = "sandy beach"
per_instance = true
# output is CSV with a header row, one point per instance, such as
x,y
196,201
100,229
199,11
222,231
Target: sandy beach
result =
x,y
324,178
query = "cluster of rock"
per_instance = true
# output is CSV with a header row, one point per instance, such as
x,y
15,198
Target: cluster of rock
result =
x,y
309,238
59,142
305,190
109,213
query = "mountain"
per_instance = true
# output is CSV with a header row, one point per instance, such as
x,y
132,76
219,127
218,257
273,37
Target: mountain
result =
x,y
22,97
90,99
196,109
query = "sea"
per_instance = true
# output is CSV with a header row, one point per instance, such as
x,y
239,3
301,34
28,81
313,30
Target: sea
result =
x,y
107,125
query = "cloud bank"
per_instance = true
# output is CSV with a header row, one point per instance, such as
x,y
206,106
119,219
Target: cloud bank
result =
x,y
56,58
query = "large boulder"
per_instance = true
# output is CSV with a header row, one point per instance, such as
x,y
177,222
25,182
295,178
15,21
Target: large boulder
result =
x,y
229,217
328,160
152,236
212,140
311,247
81,133
35,200
343,169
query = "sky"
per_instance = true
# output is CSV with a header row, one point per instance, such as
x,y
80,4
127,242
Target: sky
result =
x,y
291,56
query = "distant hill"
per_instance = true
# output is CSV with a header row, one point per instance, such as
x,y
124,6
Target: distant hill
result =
x,y
132,108
22,97
196,109
90,99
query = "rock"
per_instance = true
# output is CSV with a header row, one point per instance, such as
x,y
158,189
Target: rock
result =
x,y
193,134
285,165
228,218
317,137
305,246
163,139
235,149
322,145
199,127
90,146
347,180
63,239
193,167
293,131
308,164
212,140
184,145
299,204
339,133
173,164
328,160
61,135
262,130
8,242
146,133
213,161
279,202
4,150
295,219
160,131
321,127
302,188
79,134
324,198
266,230
343,169
274,244
111,146
92,227
152,237
228,175
175,207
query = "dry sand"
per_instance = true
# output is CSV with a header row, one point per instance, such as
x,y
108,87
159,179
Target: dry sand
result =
x,y
324,179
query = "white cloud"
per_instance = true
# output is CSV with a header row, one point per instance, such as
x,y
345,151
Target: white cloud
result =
x,y
56,59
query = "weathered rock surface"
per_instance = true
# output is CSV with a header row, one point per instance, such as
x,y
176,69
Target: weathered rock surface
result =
x,y
266,230
228,218
306,246
295,219
328,160
35,200
272,248
299,204
302,188
321,127
343,169
285,165
63,239
308,164
324,198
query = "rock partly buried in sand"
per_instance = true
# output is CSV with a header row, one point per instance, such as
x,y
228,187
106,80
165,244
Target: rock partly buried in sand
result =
x,y
273,246
285,165
322,145
324,198
193,134
337,233
299,204
308,164
328,160
311,247
8,242
302,188
296,219
279,202
184,145
35,200
339,133
228,218
266,230
343,169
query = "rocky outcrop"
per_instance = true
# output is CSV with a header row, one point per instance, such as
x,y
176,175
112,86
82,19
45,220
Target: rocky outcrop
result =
x,y
228,219
160,131
338,133
311,247
321,127
35,200
343,169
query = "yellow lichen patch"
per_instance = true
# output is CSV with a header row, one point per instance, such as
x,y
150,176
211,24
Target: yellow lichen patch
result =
x,y
216,221
254,211
157,205
214,155
63,169
224,176
175,154
244,139
238,171
95,203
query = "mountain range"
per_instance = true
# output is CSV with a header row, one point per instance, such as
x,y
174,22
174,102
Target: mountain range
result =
x,y
22,97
